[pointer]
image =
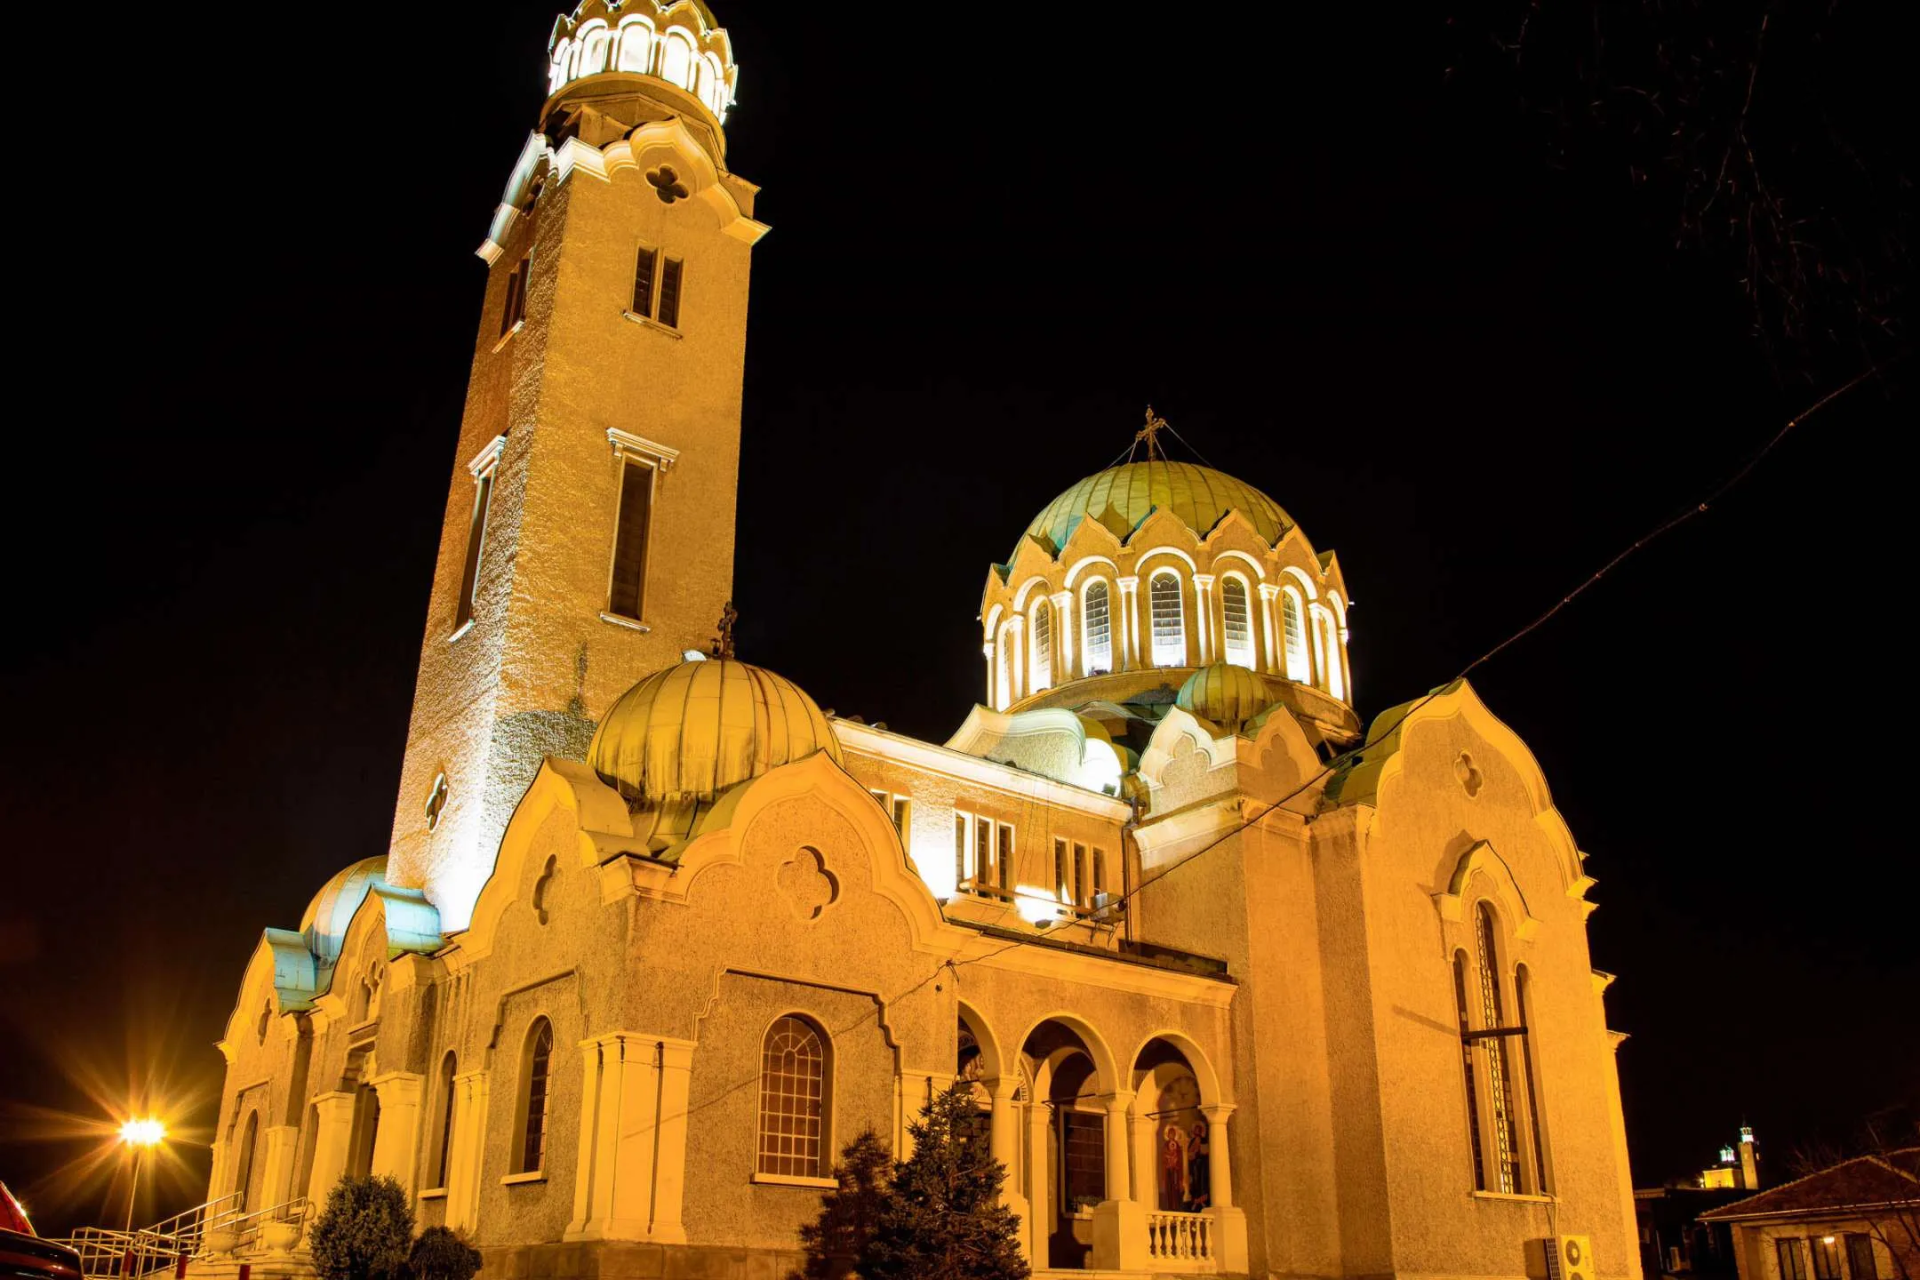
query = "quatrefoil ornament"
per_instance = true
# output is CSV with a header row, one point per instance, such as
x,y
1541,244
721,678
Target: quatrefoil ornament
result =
x,y
1469,775
667,185
810,888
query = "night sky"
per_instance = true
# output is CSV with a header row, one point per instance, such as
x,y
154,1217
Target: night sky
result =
x,y
1351,258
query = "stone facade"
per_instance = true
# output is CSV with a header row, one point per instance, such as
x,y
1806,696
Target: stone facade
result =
x,y
1226,1008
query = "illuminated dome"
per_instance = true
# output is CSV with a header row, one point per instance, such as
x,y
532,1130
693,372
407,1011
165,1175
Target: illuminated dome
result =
x,y
1225,694
695,730
331,911
1122,497
677,42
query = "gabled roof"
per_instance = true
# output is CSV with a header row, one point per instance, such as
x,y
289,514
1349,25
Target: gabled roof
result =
x,y
1861,1183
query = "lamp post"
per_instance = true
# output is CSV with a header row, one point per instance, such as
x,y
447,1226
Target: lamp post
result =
x,y
139,1136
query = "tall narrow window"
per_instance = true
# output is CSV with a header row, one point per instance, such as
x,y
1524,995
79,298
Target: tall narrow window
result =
x,y
670,292
1099,875
983,853
636,46
1860,1260
1098,612
646,269
1466,1061
1294,632
1793,1260
515,308
1169,624
963,868
676,59
482,468
593,49
1004,858
444,1147
243,1168
1083,1159
1506,1140
1062,880
633,525
1523,1009
1042,646
535,1098
793,1101
1239,621
1826,1257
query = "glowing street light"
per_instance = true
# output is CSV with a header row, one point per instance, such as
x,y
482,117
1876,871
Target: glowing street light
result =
x,y
139,1136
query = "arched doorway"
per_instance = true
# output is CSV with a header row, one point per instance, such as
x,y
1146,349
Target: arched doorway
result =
x,y
1069,1159
1168,1090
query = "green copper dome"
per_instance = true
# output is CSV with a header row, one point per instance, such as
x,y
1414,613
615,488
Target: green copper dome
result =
x,y
1122,497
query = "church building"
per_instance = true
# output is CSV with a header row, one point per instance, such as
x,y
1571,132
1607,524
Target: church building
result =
x,y
655,936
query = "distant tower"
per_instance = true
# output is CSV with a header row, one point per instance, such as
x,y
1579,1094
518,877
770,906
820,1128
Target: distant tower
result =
x,y
588,536
1749,1160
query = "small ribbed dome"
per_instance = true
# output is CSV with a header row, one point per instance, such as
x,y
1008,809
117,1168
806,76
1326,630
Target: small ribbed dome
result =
x,y
1122,497
696,729
331,911
1225,694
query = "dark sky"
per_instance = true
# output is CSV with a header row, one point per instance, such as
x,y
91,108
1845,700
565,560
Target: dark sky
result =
x,y
1472,361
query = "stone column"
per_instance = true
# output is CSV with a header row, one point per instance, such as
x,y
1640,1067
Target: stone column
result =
x,y
1269,602
332,1139
1229,1221
1040,1182
1012,636
396,1144
1119,1221
282,1141
1064,648
1006,1149
1146,1157
670,1171
1203,606
1127,625
468,1148
619,1114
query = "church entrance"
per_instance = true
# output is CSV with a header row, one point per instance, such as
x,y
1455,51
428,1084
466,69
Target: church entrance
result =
x,y
1068,1156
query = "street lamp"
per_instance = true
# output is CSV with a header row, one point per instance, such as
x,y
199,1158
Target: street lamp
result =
x,y
139,1136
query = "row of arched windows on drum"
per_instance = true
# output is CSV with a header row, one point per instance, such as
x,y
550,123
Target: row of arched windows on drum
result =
x,y
636,48
1283,631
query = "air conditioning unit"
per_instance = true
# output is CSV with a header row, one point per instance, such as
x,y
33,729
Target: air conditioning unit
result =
x,y
1560,1258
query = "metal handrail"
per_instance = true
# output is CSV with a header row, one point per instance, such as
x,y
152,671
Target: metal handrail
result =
x,y
106,1251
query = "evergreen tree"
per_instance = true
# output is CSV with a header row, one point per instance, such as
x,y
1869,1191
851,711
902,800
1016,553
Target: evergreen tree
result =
x,y
943,1219
834,1241
364,1232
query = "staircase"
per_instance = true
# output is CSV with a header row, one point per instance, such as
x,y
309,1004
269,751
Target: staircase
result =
x,y
150,1251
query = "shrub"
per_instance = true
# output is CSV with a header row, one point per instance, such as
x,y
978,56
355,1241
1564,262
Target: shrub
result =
x,y
364,1232
442,1253
835,1240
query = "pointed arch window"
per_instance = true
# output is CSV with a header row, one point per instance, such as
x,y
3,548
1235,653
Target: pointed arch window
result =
x,y
1238,620
1293,631
1523,1008
794,1091
1169,621
1499,1065
1097,613
1466,1061
536,1079
1042,646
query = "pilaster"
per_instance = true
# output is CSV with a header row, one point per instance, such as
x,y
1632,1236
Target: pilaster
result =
x,y
396,1143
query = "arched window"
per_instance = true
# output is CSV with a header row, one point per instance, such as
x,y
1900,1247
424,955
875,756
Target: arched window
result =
x,y
1499,1068
1097,612
1523,1007
1042,646
794,1090
1238,617
1169,622
707,82
557,75
1466,1060
636,46
443,1148
535,1098
676,59
594,41
243,1160
1293,630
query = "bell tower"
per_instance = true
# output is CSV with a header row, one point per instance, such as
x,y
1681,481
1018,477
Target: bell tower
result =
x,y
588,535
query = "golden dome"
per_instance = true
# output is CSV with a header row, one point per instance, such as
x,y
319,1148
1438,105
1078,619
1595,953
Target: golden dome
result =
x,y
1225,694
694,730
1124,496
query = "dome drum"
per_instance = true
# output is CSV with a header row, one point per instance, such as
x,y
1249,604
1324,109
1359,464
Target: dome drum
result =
x,y
676,45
